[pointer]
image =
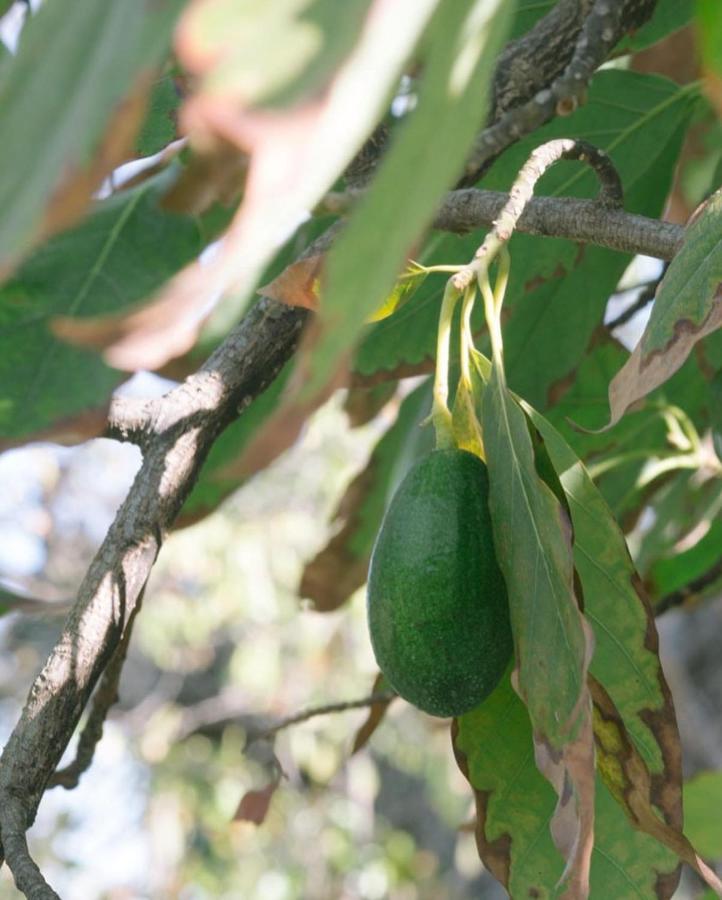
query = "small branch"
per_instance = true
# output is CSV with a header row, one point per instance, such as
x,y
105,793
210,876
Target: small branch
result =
x,y
314,711
541,159
646,296
606,23
689,592
104,697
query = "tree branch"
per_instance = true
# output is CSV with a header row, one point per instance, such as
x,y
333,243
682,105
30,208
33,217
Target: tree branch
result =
x,y
184,425
103,698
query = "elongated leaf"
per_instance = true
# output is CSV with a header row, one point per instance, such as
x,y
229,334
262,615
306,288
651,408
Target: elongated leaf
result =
x,y
553,644
626,659
639,755
631,784
421,164
688,306
514,804
75,65
125,249
341,566
296,153
533,542
272,54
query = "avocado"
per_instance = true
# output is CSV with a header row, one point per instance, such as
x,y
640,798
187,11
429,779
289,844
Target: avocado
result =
x,y
437,605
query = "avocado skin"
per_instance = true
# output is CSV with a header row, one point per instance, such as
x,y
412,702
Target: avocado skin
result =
x,y
437,605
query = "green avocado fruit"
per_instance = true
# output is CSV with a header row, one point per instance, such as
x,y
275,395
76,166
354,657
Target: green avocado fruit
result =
x,y
437,606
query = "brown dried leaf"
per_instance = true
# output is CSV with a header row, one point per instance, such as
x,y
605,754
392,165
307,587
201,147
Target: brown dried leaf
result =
x,y
298,284
216,176
376,713
336,572
254,804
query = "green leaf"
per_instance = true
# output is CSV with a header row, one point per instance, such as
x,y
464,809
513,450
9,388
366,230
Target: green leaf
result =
x,y
550,325
702,803
341,566
533,543
709,30
626,660
514,804
123,251
422,162
159,127
75,64
675,572
687,307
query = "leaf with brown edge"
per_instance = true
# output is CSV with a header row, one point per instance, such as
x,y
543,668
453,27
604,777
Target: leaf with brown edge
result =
x,y
552,640
630,782
297,147
494,748
687,307
298,285
342,565
375,716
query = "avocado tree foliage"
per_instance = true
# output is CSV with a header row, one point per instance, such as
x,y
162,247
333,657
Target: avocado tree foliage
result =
x,y
369,170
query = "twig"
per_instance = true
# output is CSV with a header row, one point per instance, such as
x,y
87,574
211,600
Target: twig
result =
x,y
103,698
610,196
228,707
646,296
690,591
305,715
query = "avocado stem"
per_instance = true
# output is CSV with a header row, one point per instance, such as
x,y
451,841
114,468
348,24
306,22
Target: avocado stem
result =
x,y
467,338
493,300
440,414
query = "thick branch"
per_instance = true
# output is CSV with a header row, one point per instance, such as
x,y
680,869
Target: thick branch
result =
x,y
185,423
